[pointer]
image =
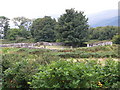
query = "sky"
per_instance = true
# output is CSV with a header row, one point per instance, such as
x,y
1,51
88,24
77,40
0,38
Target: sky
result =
x,y
53,8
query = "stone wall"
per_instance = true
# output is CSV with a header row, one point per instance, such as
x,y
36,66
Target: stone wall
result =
x,y
31,44
49,44
99,44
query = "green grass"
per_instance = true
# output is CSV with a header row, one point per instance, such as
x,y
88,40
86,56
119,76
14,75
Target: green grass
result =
x,y
55,47
82,52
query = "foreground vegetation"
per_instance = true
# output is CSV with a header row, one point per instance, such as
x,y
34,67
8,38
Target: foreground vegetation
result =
x,y
41,68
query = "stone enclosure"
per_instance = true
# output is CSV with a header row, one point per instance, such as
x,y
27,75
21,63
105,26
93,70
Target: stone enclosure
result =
x,y
102,43
31,44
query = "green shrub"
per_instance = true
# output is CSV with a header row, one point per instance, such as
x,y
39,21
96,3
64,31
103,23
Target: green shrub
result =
x,y
109,74
62,74
116,39
66,74
10,59
18,75
19,68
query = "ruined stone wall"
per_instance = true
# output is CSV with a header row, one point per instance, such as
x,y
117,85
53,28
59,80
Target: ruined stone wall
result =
x,y
31,44
99,44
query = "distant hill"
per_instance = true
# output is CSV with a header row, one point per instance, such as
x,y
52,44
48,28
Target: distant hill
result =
x,y
105,18
111,22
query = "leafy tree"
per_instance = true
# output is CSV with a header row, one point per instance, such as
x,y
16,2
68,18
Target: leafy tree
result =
x,y
13,34
103,33
72,28
116,39
43,29
22,22
26,34
4,25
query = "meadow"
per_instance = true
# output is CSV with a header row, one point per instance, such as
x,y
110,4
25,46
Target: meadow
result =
x,y
84,67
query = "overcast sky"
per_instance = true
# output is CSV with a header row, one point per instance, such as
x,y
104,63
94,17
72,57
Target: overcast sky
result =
x,y
54,8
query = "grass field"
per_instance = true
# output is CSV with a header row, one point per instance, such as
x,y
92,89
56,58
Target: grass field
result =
x,y
54,47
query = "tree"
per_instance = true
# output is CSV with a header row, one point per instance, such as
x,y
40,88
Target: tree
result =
x,y
72,28
26,34
4,25
43,29
116,39
13,34
22,22
103,33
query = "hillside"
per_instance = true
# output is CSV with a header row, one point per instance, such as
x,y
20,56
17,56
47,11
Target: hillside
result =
x,y
107,22
104,18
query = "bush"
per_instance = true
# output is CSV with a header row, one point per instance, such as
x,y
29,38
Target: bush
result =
x,y
8,60
116,39
19,74
62,74
66,74
19,66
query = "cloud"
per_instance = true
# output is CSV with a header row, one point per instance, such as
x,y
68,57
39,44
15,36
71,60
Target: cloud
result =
x,y
40,8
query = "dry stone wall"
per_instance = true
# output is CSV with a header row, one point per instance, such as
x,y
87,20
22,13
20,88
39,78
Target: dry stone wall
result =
x,y
31,44
99,44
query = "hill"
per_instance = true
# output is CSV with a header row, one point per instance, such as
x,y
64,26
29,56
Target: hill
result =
x,y
104,18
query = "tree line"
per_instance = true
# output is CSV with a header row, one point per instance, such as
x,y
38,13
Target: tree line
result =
x,y
71,28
